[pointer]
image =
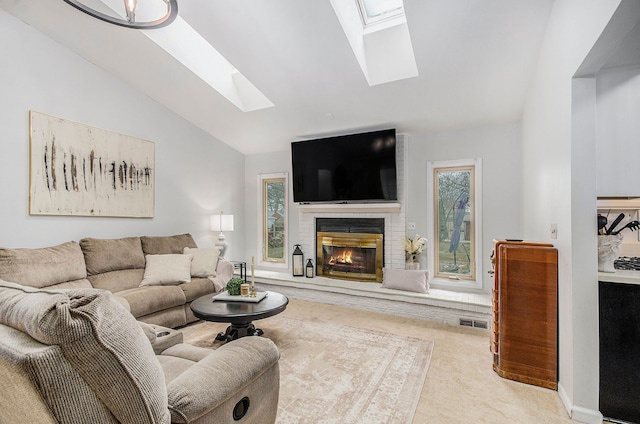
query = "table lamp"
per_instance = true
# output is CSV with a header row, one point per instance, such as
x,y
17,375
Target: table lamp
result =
x,y
222,223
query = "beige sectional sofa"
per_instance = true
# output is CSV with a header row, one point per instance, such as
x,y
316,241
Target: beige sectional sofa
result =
x,y
119,266
71,353
77,356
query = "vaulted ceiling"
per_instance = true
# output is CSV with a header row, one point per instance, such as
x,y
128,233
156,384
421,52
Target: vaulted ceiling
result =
x,y
475,59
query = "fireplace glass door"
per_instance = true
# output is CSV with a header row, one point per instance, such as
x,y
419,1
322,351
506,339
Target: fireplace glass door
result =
x,y
350,256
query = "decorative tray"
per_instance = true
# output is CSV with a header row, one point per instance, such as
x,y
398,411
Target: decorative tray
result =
x,y
224,296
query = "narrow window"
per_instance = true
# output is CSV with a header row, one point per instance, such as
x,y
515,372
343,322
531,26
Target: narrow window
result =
x,y
455,220
274,218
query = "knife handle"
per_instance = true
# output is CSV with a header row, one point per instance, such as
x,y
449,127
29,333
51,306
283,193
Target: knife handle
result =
x,y
616,222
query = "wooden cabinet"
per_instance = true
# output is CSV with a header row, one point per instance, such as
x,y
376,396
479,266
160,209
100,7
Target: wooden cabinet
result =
x,y
524,336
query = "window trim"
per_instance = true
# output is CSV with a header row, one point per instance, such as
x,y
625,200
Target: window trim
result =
x,y
261,220
431,234
387,16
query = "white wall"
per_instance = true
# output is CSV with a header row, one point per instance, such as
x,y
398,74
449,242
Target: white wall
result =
x,y
559,187
499,147
266,163
196,176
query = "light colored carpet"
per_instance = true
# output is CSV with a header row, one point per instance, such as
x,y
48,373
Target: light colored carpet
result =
x,y
460,387
333,373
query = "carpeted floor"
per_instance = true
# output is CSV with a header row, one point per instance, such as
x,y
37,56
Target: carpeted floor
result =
x,y
332,373
460,385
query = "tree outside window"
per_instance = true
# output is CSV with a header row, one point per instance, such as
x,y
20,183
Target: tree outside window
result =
x,y
454,221
274,219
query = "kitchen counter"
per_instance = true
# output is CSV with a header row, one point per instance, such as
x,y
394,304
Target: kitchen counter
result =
x,y
620,276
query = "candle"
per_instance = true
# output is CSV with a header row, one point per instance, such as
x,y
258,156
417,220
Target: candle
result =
x,y
252,282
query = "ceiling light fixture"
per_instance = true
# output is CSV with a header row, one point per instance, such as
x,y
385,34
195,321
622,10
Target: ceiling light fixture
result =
x,y
149,14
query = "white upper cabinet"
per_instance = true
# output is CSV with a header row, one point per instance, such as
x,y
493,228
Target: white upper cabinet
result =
x,y
618,132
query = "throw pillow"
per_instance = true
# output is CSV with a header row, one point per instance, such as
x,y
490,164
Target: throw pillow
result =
x,y
205,261
44,266
167,270
405,279
105,255
164,245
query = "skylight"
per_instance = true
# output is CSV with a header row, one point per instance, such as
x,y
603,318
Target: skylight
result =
x,y
186,45
374,11
378,33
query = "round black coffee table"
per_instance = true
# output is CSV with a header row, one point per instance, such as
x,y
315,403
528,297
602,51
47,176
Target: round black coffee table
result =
x,y
239,314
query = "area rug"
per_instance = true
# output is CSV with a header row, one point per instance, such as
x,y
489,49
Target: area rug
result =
x,y
332,373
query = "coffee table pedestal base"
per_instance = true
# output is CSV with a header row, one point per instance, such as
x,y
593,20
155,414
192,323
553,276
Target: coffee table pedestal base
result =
x,y
236,331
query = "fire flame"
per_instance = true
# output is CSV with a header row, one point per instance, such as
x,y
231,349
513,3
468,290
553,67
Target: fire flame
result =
x,y
343,258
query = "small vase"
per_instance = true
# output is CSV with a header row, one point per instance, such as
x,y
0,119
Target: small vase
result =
x,y
411,261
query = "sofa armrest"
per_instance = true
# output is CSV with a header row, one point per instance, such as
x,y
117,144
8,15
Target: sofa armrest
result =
x,y
224,269
224,272
165,338
124,302
161,338
216,378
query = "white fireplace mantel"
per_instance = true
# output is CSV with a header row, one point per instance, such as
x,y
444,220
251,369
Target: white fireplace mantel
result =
x,y
350,207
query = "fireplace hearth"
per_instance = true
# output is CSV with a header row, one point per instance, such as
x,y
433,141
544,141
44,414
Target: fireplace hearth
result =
x,y
351,249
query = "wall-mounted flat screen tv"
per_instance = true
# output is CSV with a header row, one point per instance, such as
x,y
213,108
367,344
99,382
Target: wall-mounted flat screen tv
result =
x,y
354,168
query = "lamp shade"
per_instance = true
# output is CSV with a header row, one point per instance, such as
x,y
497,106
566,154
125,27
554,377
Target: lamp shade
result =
x,y
221,222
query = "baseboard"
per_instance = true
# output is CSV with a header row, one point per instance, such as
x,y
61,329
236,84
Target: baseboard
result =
x,y
578,413
584,415
564,398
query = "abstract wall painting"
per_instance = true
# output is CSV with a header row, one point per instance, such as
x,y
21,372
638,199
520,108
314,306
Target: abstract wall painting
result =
x,y
86,171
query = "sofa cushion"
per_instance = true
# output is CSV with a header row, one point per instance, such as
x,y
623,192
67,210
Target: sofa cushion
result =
x,y
102,342
75,284
150,299
43,267
167,270
205,260
104,255
197,287
187,351
116,281
172,318
166,244
173,366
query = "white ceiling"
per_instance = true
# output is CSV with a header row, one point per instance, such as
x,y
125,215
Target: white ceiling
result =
x,y
475,60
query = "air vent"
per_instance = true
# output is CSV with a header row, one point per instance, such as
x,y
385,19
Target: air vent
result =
x,y
480,324
466,322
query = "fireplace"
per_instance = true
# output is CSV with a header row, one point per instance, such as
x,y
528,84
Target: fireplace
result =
x,y
350,248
